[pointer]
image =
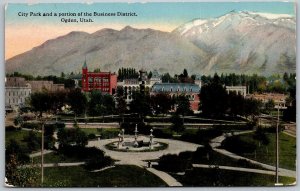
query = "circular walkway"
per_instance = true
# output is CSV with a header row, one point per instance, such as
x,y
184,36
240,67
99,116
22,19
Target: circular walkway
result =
x,y
139,158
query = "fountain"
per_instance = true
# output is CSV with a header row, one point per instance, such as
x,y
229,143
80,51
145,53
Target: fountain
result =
x,y
135,143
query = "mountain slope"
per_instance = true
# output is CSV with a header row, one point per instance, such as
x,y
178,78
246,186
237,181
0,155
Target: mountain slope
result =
x,y
239,42
110,50
245,42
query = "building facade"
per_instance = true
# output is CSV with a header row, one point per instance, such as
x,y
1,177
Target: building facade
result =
x,y
242,90
106,82
131,85
279,99
16,92
40,85
175,89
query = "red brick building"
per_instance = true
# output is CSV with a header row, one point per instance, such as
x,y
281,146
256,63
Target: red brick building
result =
x,y
106,82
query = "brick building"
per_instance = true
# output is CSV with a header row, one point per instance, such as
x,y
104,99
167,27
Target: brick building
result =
x,y
106,82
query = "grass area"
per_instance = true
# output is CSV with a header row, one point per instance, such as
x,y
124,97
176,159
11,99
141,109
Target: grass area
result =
x,y
266,153
18,136
219,177
55,158
119,176
215,158
106,133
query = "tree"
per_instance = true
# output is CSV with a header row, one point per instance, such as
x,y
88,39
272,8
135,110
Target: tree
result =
x,y
214,99
121,103
260,136
185,73
150,75
78,101
40,102
33,141
269,106
49,132
177,123
140,104
252,108
18,121
236,104
183,106
161,103
67,137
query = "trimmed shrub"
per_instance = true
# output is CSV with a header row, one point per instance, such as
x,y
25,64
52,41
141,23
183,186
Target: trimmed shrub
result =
x,y
159,133
91,136
236,145
174,163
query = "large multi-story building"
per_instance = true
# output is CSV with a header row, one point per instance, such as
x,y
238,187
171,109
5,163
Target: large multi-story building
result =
x,y
106,82
16,92
17,89
131,85
175,89
40,85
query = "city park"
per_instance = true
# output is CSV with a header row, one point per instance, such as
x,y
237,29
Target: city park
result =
x,y
76,139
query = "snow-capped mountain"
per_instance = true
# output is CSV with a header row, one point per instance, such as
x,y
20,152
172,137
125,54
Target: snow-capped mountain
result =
x,y
245,42
239,42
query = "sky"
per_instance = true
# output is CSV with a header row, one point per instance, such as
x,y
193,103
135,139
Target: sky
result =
x,y
23,33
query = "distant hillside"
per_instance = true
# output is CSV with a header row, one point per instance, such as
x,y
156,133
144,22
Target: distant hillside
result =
x,y
110,50
240,42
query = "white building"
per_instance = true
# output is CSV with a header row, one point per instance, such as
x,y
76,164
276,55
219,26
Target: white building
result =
x,y
242,90
16,92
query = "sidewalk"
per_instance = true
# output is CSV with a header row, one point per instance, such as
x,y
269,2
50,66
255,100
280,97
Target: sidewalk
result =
x,y
216,142
165,177
239,169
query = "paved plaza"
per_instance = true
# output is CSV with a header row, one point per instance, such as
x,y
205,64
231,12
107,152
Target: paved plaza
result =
x,y
139,158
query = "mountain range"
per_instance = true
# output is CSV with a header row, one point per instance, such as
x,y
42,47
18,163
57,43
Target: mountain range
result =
x,y
239,42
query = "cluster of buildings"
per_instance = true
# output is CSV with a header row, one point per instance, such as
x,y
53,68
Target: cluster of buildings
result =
x,y
107,82
17,89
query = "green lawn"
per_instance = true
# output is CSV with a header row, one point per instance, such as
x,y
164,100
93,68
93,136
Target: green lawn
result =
x,y
217,177
119,176
55,158
266,154
216,158
18,136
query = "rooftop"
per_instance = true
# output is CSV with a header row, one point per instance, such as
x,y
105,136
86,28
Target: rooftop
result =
x,y
176,87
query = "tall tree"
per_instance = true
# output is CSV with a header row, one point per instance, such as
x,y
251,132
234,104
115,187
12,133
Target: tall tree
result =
x,y
214,99
78,101
161,103
40,102
183,106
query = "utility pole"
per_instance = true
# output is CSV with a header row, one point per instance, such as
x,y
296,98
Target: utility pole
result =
x,y
278,106
42,152
277,147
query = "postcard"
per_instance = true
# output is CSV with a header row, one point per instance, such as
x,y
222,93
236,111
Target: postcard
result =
x,y
165,94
